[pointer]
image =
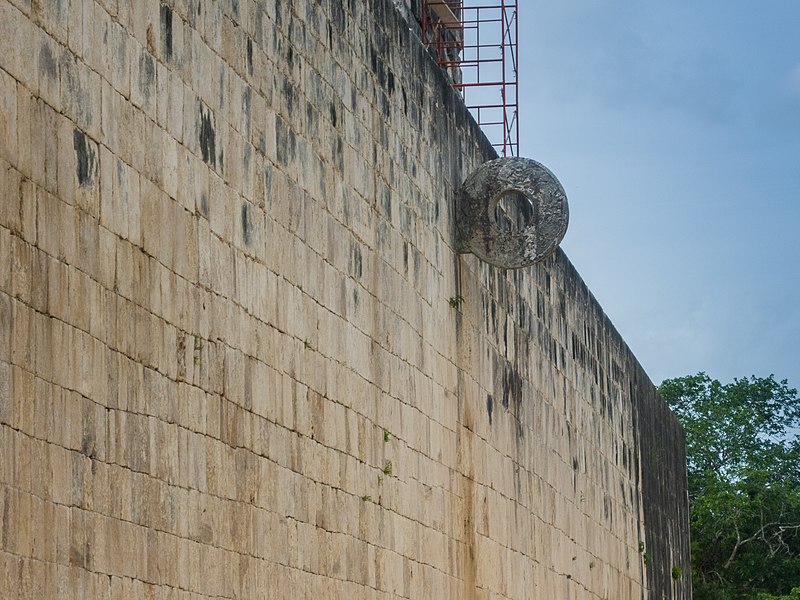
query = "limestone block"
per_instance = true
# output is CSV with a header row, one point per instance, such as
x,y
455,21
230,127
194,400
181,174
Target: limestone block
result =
x,y
75,19
27,211
110,103
43,330
222,203
143,22
11,190
176,28
83,359
78,168
191,122
22,536
128,259
206,66
170,152
155,211
97,24
195,191
153,139
86,295
107,252
276,202
21,325
143,78
132,145
146,348
232,144
8,118
170,101
5,392
80,91
232,49
12,22
205,243
184,241
221,265
119,59
37,146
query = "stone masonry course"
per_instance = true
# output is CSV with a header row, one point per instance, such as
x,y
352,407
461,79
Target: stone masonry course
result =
x,y
241,356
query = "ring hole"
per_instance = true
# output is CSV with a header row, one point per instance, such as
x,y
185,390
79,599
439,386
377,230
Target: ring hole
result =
x,y
513,211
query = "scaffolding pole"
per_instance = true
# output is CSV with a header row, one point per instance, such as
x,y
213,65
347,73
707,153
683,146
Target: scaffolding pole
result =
x,y
476,43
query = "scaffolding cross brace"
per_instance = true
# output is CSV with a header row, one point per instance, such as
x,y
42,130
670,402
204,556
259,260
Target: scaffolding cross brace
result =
x,y
475,42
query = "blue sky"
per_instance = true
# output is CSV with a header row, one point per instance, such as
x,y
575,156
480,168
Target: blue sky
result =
x,y
675,130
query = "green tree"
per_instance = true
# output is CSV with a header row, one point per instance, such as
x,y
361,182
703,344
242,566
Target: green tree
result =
x,y
743,455
793,595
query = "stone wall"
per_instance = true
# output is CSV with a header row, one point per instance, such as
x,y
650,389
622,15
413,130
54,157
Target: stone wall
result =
x,y
235,361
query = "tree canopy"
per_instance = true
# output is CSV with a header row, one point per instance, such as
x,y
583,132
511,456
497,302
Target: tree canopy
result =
x,y
743,455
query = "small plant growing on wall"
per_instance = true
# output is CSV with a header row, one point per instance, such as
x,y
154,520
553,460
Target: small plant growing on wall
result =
x,y
456,301
387,468
676,573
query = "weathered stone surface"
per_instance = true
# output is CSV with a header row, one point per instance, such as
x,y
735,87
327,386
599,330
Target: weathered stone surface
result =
x,y
539,206
241,355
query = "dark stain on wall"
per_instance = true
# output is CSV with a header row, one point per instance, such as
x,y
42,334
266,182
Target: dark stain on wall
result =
x,y
47,62
286,144
247,109
268,188
74,89
312,125
290,57
289,93
147,74
356,265
204,204
333,114
208,146
247,223
166,31
86,158
508,382
386,208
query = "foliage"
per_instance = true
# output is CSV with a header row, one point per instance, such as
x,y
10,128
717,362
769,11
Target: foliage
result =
x,y
456,301
743,454
793,595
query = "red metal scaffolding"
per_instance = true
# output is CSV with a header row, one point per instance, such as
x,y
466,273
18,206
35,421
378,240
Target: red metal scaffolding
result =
x,y
475,42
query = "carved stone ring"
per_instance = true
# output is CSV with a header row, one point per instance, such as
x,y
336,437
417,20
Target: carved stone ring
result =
x,y
511,212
